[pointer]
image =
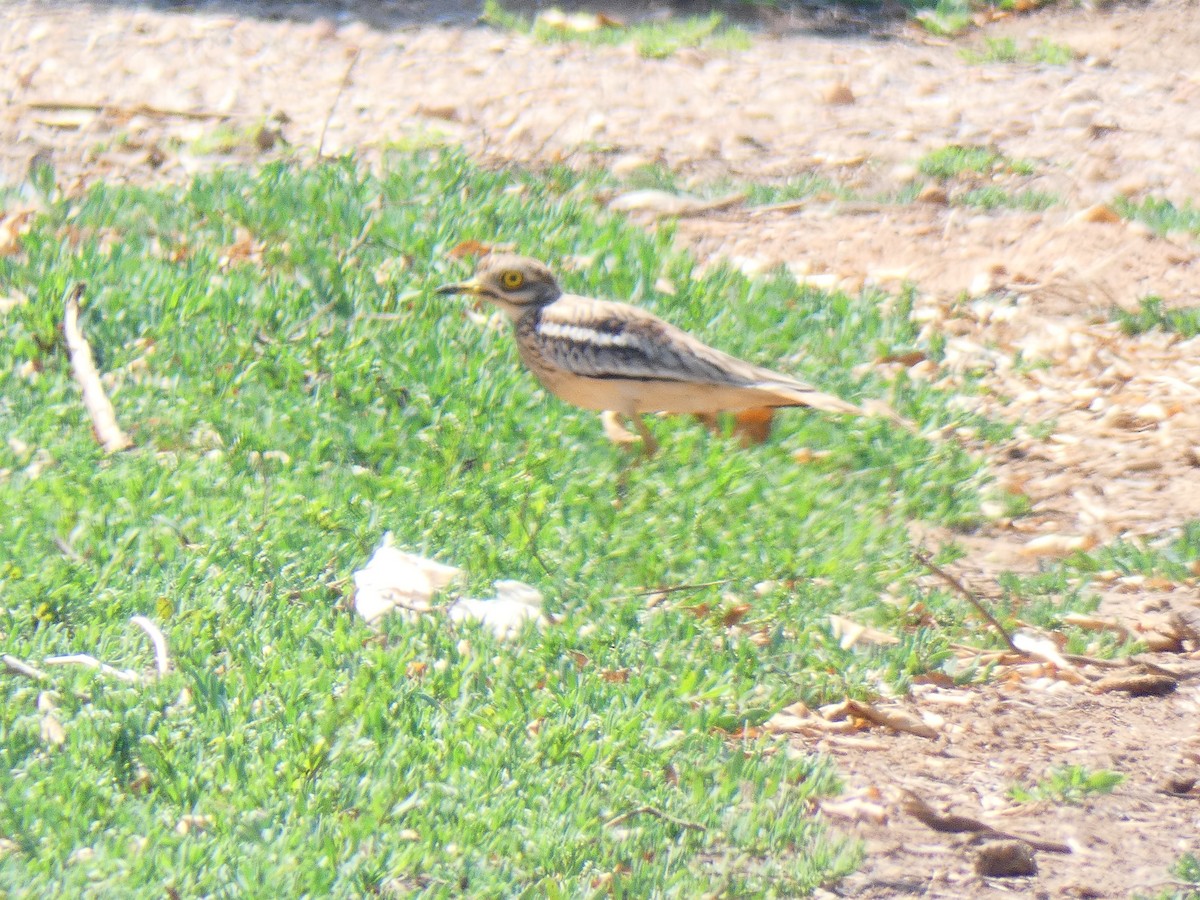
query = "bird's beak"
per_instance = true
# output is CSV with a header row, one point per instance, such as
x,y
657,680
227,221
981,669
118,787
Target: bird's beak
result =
x,y
463,287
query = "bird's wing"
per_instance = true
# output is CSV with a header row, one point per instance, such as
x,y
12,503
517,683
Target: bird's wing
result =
x,y
605,339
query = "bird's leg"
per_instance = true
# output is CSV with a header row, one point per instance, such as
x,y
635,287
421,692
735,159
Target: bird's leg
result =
x,y
711,421
615,431
749,426
649,444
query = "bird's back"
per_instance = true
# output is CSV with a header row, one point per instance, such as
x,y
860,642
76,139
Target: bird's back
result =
x,y
602,354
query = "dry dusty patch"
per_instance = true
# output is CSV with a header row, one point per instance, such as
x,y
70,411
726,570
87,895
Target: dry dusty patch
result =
x,y
1009,733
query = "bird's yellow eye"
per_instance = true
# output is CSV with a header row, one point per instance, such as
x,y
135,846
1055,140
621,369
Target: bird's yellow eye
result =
x,y
512,280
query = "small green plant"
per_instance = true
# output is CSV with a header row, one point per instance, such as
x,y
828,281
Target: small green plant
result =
x,y
1068,784
226,137
654,40
993,197
958,159
943,17
1173,555
1152,313
1007,50
1187,868
1161,215
1186,873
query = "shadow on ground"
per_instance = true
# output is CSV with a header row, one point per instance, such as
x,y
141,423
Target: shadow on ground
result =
x,y
871,17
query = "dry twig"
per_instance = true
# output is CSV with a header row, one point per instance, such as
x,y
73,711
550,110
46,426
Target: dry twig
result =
x,y
658,814
128,112
336,97
676,588
927,561
20,667
86,659
162,660
83,364
956,824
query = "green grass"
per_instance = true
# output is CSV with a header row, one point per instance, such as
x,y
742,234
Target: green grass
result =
x,y
957,159
1162,216
951,17
942,164
1186,876
227,137
653,40
332,761
998,198
942,17
798,187
1042,599
1152,313
1068,784
1187,870
1007,50
1173,555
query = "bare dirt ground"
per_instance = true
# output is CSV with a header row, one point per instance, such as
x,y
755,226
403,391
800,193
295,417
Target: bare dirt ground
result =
x,y
1111,443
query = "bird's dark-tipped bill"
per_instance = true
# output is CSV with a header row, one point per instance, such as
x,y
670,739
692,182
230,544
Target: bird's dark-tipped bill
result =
x,y
462,287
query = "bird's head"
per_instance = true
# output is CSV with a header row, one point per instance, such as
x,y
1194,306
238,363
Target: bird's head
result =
x,y
516,284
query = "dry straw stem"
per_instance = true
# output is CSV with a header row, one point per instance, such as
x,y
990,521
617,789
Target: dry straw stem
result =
x,y
83,365
345,82
86,659
927,561
127,112
658,814
20,667
162,660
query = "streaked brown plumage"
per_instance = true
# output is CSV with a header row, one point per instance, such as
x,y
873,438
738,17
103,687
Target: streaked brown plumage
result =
x,y
604,355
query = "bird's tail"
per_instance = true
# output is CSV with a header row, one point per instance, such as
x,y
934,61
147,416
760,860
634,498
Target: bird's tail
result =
x,y
800,394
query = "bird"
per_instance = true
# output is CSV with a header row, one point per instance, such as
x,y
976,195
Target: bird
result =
x,y
624,360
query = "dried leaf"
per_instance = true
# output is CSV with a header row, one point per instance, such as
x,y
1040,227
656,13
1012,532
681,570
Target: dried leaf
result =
x,y
663,204
734,614
1141,684
908,359
189,823
448,113
515,604
13,224
393,579
1099,213
855,810
1045,649
804,455
895,719
933,194
12,301
474,248
838,94
577,23
753,426
1095,623
52,732
1057,545
848,632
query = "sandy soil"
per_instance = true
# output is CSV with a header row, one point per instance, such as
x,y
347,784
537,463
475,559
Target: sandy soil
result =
x,y
1024,297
